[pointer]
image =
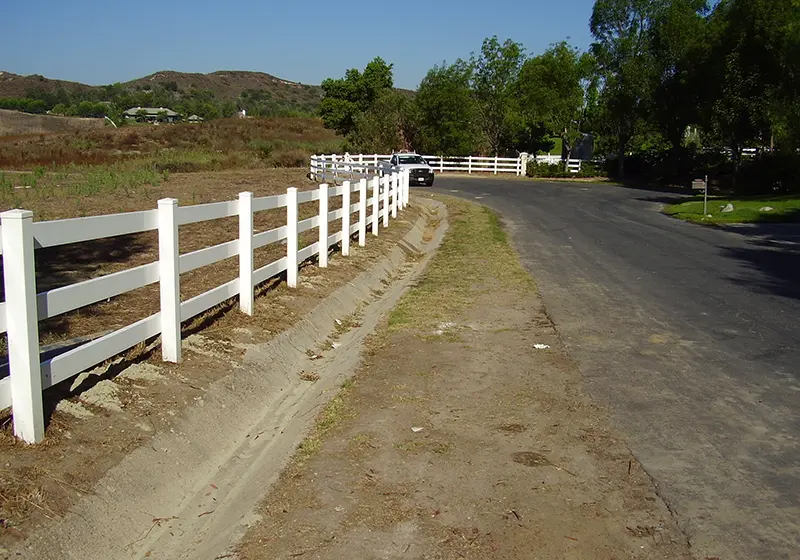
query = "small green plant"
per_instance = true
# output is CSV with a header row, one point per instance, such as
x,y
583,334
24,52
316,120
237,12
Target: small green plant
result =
x,y
263,148
6,186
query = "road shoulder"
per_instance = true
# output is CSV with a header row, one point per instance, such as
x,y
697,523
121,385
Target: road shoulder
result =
x,y
466,433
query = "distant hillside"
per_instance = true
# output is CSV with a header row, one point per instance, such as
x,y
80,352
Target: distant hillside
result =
x,y
14,85
230,84
256,91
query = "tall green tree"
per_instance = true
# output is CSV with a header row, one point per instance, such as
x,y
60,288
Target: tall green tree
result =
x,y
750,70
345,98
621,29
553,91
389,124
447,112
678,35
494,78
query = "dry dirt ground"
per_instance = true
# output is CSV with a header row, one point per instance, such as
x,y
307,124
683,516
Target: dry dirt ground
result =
x,y
98,418
461,438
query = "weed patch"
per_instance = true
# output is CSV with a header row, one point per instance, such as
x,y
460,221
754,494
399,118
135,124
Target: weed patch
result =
x,y
475,256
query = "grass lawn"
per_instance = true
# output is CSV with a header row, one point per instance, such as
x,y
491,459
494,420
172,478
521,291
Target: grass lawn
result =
x,y
745,210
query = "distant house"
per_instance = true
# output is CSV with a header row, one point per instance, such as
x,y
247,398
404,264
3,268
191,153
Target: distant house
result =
x,y
195,119
151,114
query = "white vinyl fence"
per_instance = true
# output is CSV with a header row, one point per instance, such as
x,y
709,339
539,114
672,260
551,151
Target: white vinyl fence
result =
x,y
335,165
379,199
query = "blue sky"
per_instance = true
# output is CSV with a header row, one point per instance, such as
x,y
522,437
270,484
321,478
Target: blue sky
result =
x,y
306,41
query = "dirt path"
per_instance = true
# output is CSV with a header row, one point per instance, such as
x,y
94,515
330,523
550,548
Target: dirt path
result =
x,y
459,438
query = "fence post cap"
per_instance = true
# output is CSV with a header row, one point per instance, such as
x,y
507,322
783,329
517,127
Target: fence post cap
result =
x,y
16,214
246,194
168,202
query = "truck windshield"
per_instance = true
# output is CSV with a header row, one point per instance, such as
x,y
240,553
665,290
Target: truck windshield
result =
x,y
410,159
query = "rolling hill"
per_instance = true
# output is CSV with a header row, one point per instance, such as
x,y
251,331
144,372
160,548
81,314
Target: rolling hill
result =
x,y
224,84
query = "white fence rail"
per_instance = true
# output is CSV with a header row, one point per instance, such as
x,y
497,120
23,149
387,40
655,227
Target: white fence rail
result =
x,y
24,308
337,166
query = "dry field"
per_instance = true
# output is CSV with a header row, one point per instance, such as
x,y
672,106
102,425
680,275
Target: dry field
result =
x,y
15,123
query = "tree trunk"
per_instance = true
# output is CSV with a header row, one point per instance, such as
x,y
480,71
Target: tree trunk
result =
x,y
621,158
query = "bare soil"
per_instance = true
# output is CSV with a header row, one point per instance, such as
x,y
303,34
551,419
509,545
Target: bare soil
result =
x,y
459,438
69,264
102,415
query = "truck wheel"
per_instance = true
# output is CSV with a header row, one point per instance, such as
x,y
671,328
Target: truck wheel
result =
x,y
429,182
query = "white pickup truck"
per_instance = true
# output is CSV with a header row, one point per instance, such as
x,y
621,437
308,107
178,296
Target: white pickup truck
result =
x,y
420,173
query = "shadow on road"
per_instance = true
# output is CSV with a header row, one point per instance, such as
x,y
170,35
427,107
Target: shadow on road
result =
x,y
773,253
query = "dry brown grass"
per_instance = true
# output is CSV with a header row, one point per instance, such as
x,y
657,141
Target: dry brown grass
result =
x,y
217,144
17,123
60,266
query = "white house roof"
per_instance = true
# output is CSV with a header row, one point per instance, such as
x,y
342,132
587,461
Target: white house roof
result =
x,y
134,111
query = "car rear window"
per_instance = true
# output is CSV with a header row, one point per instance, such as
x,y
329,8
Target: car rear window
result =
x,y
410,159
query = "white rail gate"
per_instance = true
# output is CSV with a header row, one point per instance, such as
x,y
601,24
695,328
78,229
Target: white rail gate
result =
x,y
341,166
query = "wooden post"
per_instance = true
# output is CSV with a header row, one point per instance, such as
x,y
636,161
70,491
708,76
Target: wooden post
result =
x,y
362,212
323,225
246,296
376,202
291,237
469,165
395,190
385,209
346,218
22,323
169,279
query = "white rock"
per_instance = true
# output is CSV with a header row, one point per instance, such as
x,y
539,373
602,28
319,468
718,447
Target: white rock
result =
x,y
727,208
766,209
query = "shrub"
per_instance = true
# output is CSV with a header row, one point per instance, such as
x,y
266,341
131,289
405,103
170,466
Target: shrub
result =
x,y
292,157
541,169
770,173
559,170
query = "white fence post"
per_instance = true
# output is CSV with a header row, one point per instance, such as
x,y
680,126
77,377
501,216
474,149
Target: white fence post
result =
x,y
323,225
385,210
346,218
291,237
523,164
22,322
395,192
311,172
246,296
401,189
441,164
406,187
495,164
169,279
362,212
376,202
469,165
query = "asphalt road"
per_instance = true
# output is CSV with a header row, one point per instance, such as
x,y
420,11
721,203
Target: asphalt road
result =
x,y
689,335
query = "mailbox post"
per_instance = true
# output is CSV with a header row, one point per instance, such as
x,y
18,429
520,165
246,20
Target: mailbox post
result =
x,y
702,184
